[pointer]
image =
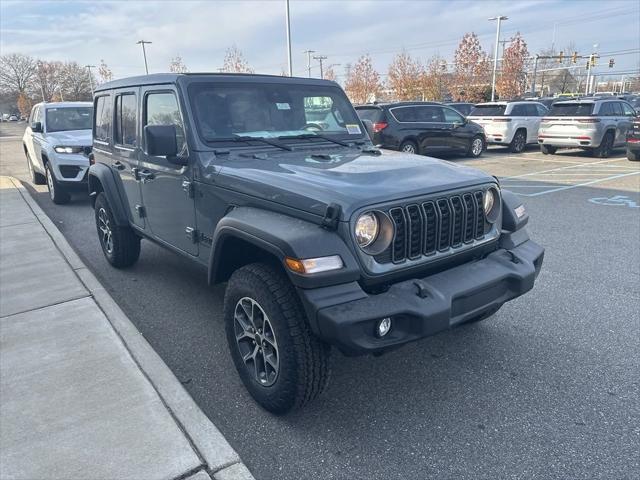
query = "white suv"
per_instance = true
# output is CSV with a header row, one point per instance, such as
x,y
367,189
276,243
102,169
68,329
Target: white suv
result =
x,y
57,143
509,123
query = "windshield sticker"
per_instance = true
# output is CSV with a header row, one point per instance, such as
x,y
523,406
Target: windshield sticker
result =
x,y
283,106
353,129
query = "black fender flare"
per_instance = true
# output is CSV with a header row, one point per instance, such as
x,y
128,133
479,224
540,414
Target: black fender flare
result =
x,y
100,173
284,236
514,219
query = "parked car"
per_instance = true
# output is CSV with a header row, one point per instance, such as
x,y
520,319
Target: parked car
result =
x,y
321,240
514,124
597,124
13,118
633,140
463,108
57,144
427,128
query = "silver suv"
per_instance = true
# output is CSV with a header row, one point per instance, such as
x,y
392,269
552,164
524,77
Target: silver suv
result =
x,y
509,123
595,124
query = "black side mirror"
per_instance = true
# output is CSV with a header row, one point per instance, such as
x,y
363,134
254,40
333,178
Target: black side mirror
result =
x,y
161,141
368,126
36,127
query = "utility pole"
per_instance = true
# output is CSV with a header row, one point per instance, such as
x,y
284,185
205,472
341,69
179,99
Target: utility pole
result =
x,y
495,55
289,64
535,70
89,67
320,58
144,54
309,52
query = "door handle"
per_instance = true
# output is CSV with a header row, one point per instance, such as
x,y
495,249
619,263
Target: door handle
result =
x,y
146,176
118,165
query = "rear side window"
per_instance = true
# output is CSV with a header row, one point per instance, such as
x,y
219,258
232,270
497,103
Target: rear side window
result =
x,y
373,114
429,114
102,122
162,109
519,110
607,110
617,108
571,109
125,127
488,111
405,114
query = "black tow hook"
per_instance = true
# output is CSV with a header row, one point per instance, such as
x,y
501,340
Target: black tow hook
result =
x,y
514,258
423,289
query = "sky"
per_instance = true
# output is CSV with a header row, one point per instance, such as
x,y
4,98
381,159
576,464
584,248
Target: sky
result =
x,y
342,30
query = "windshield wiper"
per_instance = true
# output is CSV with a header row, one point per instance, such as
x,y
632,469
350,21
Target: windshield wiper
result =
x,y
247,138
315,135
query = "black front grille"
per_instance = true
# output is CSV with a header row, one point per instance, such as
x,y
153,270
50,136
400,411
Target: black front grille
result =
x,y
439,225
69,171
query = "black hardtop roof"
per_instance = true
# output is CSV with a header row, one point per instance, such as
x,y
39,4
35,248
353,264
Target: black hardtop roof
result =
x,y
168,78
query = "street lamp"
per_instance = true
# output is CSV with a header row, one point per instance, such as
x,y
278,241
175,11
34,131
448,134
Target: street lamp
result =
x,y
89,67
495,55
144,54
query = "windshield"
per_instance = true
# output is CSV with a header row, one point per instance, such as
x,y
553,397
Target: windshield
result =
x,y
571,109
259,110
69,118
488,110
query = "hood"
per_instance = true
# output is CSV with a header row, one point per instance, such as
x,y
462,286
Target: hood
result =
x,y
70,138
350,179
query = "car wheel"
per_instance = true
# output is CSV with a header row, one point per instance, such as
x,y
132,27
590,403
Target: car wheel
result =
x,y
409,146
633,156
547,149
605,147
519,142
35,177
120,245
57,192
476,147
280,361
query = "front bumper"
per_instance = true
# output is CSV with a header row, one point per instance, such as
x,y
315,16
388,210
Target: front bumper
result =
x,y
425,306
70,168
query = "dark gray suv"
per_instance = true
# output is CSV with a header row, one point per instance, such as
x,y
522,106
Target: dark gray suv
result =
x,y
273,184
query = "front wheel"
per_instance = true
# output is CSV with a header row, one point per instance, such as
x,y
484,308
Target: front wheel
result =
x,y
634,156
57,192
519,142
280,361
120,245
476,147
547,149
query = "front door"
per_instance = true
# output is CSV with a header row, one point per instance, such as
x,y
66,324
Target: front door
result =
x,y
167,196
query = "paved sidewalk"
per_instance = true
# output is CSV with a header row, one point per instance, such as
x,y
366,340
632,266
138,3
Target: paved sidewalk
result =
x,y
82,394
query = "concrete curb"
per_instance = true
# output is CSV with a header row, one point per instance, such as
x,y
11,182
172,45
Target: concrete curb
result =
x,y
222,461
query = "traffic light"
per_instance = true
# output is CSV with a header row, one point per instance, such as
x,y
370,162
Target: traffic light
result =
x,y
560,57
593,60
574,57
611,62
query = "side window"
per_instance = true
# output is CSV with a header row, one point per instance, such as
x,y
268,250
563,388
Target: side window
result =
x,y
617,109
628,110
606,109
531,110
430,114
451,116
518,111
405,114
162,109
102,122
125,125
542,110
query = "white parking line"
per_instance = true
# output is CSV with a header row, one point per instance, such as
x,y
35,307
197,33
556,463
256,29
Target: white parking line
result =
x,y
586,165
568,187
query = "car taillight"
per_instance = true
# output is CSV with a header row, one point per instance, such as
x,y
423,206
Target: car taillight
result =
x,y
378,126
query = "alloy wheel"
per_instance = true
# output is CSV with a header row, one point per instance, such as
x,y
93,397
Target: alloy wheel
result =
x,y
409,148
106,236
256,341
519,142
50,184
476,147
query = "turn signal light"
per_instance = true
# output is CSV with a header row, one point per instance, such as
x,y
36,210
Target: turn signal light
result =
x,y
314,265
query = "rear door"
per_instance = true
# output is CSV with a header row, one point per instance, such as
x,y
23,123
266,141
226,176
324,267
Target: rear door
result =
x,y
126,149
167,188
627,119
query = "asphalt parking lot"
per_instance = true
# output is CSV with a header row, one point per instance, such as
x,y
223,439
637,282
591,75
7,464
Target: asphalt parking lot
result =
x,y
547,388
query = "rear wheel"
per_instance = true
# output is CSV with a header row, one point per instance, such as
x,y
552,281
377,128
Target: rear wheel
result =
x,y
547,149
56,191
120,245
633,156
281,362
606,146
519,142
409,146
476,147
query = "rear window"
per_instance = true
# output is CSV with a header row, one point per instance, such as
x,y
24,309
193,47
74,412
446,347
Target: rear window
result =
x,y
571,109
488,111
373,114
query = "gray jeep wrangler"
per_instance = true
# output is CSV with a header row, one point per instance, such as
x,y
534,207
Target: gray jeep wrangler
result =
x,y
274,185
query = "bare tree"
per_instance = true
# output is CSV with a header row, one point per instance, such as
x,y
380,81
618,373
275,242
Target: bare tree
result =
x,y
363,82
48,80
16,72
75,82
104,72
512,81
404,77
234,62
471,70
176,65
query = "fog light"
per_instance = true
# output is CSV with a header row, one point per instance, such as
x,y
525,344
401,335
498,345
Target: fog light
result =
x,y
383,327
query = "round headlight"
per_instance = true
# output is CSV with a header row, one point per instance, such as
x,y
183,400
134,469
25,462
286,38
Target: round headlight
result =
x,y
366,229
489,201
491,204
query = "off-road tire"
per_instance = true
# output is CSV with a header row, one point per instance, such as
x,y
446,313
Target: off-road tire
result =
x,y
548,149
125,248
35,177
606,146
57,192
304,366
407,145
633,156
472,151
518,142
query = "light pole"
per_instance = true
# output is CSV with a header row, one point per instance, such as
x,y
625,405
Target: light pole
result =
x,y
89,67
144,54
289,41
320,58
309,52
495,55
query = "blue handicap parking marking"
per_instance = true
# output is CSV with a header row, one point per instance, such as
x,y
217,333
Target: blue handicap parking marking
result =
x,y
615,201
